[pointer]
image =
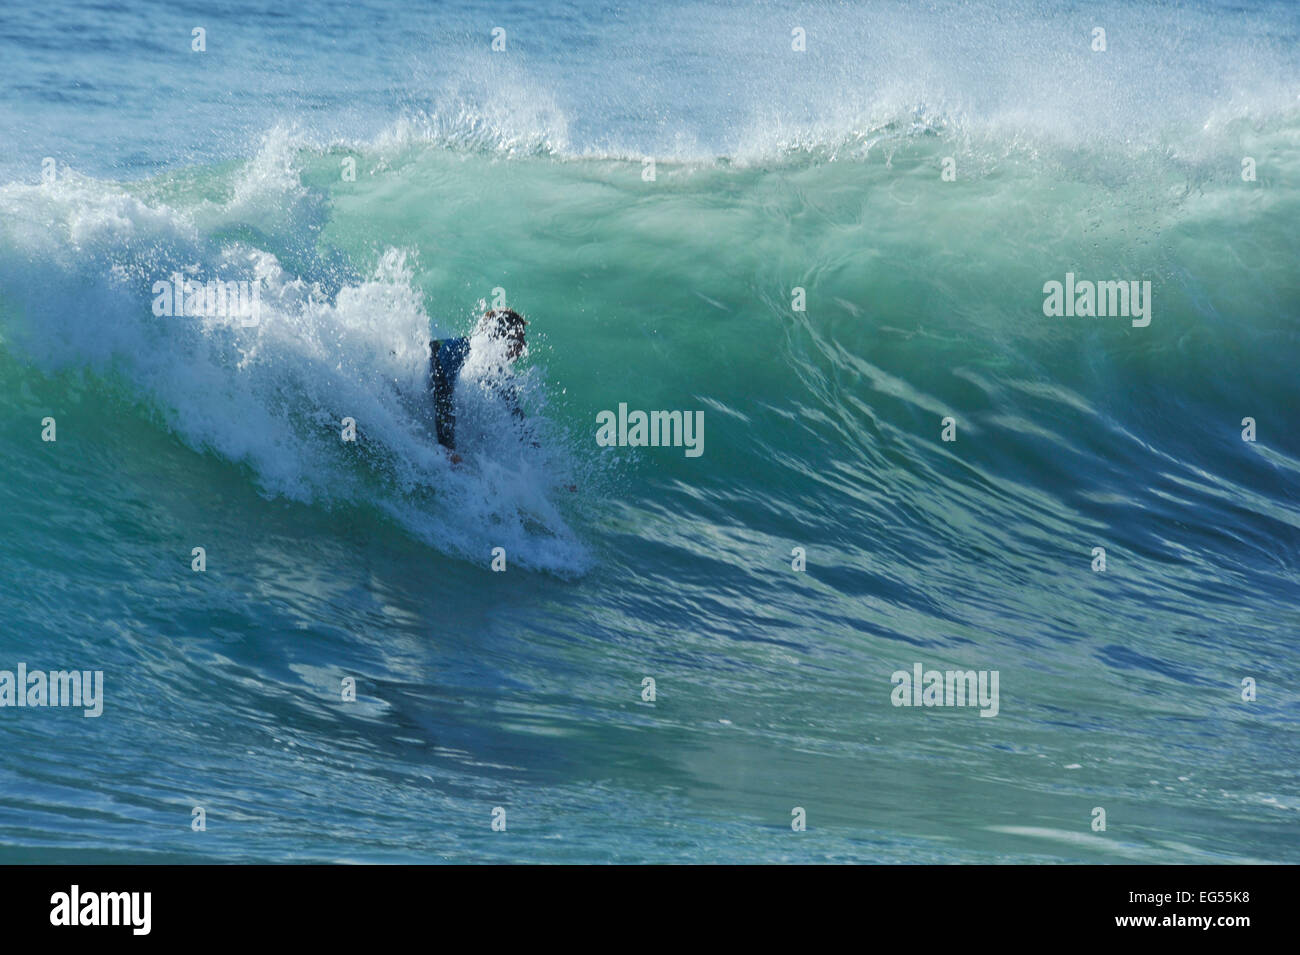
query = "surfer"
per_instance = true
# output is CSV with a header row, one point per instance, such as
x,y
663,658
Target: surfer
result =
x,y
447,357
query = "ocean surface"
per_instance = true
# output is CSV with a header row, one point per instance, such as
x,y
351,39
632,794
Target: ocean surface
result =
x,y
382,175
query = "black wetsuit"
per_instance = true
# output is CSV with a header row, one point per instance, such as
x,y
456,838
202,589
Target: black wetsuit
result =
x,y
447,357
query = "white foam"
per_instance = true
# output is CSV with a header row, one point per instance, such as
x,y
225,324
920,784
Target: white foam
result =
x,y
80,258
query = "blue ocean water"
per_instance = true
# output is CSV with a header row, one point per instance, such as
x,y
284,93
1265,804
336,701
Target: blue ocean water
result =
x,y
382,173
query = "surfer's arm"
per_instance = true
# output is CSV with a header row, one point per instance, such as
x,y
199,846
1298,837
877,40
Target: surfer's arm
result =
x,y
444,411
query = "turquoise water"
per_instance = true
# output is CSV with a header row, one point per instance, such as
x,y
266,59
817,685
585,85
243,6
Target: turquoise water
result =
x,y
523,171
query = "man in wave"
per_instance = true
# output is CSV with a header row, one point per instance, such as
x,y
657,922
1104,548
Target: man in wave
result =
x,y
447,357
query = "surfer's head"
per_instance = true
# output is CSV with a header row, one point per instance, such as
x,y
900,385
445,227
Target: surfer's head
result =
x,y
506,325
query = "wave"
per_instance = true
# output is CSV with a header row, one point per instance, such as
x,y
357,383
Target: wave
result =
x,y
355,271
